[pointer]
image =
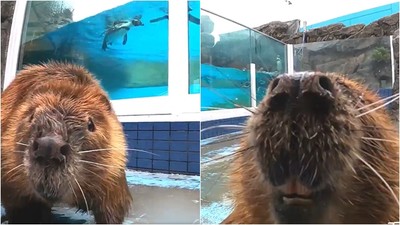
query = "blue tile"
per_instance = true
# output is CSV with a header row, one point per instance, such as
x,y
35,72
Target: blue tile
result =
x,y
130,126
145,126
145,145
194,167
194,157
160,164
131,162
145,135
179,135
131,134
161,155
178,146
179,126
162,126
178,166
194,146
194,126
161,145
161,135
132,143
178,156
132,154
194,136
144,163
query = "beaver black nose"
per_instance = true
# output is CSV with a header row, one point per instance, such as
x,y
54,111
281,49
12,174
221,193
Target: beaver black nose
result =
x,y
50,149
307,91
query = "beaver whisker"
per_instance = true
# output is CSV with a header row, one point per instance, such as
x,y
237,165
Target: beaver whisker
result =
x,y
222,126
19,143
382,100
83,195
115,149
73,192
378,128
376,108
19,151
94,163
14,169
379,176
92,172
379,139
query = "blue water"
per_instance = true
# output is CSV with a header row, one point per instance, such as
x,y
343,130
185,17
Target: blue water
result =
x,y
222,87
137,69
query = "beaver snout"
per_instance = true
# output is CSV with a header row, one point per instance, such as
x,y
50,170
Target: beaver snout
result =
x,y
50,149
307,91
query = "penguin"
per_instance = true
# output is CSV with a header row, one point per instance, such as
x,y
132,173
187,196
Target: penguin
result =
x,y
191,18
120,29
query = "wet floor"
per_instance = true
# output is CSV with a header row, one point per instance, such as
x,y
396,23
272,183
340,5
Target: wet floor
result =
x,y
158,198
215,158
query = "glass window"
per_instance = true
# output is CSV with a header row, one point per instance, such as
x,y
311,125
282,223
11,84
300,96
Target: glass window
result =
x,y
225,61
194,46
364,59
124,43
269,57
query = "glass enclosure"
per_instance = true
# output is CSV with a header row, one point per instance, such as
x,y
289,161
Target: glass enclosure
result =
x,y
364,59
117,43
124,43
226,59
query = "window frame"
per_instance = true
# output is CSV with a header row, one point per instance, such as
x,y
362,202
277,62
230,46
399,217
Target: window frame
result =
x,y
178,101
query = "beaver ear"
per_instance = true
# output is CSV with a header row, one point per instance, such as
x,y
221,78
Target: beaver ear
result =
x,y
104,99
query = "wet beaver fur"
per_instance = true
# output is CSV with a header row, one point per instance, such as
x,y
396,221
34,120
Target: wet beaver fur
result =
x,y
61,142
312,154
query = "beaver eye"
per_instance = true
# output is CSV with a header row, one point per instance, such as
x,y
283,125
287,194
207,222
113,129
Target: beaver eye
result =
x,y
91,126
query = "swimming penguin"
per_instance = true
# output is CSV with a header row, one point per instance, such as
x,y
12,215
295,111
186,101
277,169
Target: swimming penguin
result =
x,y
191,18
120,29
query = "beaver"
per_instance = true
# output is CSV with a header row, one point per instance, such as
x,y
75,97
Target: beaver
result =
x,y
315,152
61,142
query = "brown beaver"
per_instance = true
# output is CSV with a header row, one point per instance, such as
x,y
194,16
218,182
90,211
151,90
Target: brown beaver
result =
x,y
61,142
309,155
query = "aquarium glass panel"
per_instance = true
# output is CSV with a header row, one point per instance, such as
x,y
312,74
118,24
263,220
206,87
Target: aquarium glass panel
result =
x,y
364,59
124,43
269,57
225,64
194,46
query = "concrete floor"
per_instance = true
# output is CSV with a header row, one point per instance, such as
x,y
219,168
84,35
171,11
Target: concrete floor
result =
x,y
215,197
158,198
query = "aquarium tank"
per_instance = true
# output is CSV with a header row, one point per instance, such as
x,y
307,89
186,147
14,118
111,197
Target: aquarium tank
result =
x,y
226,59
123,43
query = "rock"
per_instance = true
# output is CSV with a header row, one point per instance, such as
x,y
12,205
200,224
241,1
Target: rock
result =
x,y
275,29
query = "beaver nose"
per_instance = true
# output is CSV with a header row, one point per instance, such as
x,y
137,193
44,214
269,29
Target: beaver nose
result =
x,y
305,90
50,148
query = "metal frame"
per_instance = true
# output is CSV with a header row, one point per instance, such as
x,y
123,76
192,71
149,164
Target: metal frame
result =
x,y
392,59
177,102
14,42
